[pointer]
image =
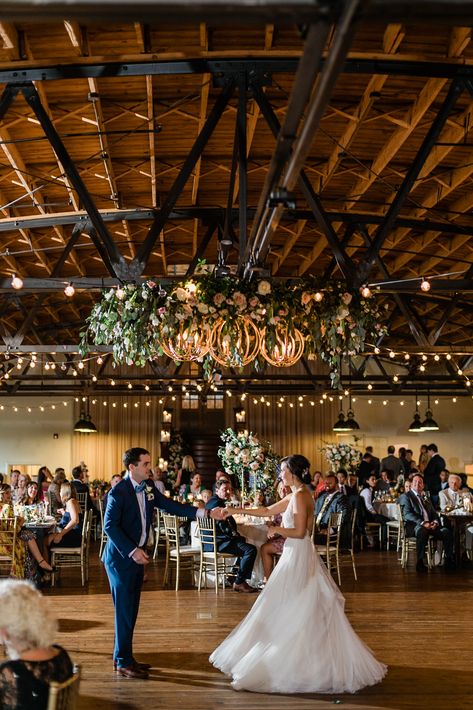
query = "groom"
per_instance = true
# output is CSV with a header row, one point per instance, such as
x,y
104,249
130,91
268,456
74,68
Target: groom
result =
x,y
127,521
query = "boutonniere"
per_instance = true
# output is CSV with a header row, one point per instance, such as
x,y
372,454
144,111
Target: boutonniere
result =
x,y
149,493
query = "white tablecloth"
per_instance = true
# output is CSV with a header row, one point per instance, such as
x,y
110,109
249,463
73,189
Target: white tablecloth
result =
x,y
390,510
255,534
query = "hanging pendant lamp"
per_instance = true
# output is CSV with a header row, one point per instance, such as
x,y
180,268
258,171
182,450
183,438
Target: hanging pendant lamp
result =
x,y
416,424
340,425
85,425
429,423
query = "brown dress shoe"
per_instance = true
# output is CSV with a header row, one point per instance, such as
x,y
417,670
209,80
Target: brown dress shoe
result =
x,y
244,587
136,664
132,672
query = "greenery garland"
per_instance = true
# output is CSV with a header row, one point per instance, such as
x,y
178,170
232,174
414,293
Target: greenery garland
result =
x,y
134,320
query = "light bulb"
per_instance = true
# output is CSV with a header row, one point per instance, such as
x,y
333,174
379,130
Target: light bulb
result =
x,y
365,292
422,368
99,360
16,282
460,372
407,356
448,356
376,351
436,357
370,386
80,365
318,296
425,285
69,290
392,354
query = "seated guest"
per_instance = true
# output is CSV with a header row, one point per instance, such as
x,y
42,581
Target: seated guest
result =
x,y
444,479
206,495
34,494
81,487
26,555
158,478
116,478
218,475
422,522
70,534
318,484
195,487
385,484
27,631
23,480
453,495
14,482
229,539
348,489
54,490
331,501
370,514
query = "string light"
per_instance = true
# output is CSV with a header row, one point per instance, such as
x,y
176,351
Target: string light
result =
x,y
365,292
436,357
392,354
425,285
318,296
94,378
69,290
99,360
16,282
80,365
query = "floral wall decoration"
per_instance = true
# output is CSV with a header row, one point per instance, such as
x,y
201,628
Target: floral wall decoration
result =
x,y
234,322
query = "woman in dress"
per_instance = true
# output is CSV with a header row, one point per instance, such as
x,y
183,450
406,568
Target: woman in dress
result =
x,y
312,648
186,472
27,556
70,534
34,494
27,631
20,494
195,487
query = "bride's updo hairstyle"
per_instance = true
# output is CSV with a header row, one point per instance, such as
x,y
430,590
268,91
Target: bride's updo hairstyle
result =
x,y
299,466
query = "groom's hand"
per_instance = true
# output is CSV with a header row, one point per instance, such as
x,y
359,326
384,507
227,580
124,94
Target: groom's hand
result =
x,y
140,557
219,513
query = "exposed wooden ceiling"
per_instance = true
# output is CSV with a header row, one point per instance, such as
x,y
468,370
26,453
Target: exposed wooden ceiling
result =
x,y
100,122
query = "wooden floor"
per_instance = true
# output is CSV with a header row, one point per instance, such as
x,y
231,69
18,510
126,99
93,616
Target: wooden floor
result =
x,y
419,625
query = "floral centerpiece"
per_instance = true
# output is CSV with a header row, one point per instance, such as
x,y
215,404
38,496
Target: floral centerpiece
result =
x,y
252,461
175,454
342,455
233,322
99,486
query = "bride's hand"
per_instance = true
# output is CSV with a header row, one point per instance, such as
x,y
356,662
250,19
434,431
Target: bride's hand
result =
x,y
273,531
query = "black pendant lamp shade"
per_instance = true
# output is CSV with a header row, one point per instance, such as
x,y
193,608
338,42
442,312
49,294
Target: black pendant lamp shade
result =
x,y
429,423
85,424
340,425
351,422
416,424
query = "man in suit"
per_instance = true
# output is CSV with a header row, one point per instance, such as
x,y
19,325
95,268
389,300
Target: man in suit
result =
x,y
366,468
422,522
331,500
454,495
127,521
435,465
392,463
229,539
81,487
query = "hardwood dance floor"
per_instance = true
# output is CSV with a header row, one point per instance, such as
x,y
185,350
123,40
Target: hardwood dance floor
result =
x,y
419,625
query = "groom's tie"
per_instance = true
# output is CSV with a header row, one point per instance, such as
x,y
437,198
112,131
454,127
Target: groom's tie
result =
x,y
141,486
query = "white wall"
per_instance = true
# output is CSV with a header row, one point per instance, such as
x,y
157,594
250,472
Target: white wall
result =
x,y
27,437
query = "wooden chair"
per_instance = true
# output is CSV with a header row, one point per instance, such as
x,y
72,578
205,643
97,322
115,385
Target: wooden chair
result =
x,y
181,557
331,550
393,528
349,550
74,556
82,500
211,560
409,544
63,696
103,534
9,529
159,531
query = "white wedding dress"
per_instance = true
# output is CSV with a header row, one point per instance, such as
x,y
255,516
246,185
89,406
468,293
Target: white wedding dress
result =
x,y
296,638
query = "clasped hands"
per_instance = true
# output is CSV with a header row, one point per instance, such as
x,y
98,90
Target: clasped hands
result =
x,y
430,526
219,513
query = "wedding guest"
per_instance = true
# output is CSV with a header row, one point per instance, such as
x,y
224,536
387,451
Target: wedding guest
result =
x,y
229,539
366,468
454,494
423,458
374,460
410,465
195,487
371,516
330,501
27,631
70,534
385,483
434,466
157,476
81,487
14,475
392,462
116,478
54,490
422,521
206,495
21,493
317,484
44,477
34,494
26,555
185,473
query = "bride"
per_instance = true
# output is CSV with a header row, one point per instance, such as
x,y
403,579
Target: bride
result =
x,y
296,638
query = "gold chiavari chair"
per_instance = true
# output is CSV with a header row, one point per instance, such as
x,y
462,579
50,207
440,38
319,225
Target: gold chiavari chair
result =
x,y
9,529
178,557
211,560
330,551
63,696
74,556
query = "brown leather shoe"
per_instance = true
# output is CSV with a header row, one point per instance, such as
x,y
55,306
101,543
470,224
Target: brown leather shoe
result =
x,y
136,664
244,587
132,672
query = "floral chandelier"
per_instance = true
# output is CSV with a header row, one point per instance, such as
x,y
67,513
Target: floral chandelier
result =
x,y
234,323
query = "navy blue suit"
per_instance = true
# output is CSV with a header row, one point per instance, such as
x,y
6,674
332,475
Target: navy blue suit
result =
x,y
123,527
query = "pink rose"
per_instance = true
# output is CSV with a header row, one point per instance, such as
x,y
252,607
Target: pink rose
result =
x,y
219,299
305,298
346,298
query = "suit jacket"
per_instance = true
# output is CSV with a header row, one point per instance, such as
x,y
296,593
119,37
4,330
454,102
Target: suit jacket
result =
x,y
365,470
225,530
412,512
83,488
122,522
432,473
338,504
393,463
449,499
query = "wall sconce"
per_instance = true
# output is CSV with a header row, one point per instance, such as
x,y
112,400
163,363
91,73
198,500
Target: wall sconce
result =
x,y
165,436
240,415
167,416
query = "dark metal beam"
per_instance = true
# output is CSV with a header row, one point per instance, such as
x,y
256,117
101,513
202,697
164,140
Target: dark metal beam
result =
x,y
194,154
204,242
455,90
113,260
242,170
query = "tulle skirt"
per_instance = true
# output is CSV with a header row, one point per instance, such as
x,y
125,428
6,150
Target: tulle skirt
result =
x,y
296,638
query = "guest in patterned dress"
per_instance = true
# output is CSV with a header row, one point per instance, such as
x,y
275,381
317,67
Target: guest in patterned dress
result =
x,y
27,556
27,631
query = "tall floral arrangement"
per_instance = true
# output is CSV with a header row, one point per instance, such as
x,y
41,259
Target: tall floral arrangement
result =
x,y
342,455
175,454
250,460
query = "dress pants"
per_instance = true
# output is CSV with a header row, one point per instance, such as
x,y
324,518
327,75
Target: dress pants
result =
x,y
246,552
126,580
440,533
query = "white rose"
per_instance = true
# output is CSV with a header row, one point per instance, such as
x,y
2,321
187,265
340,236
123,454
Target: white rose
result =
x,y
181,294
264,287
203,308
